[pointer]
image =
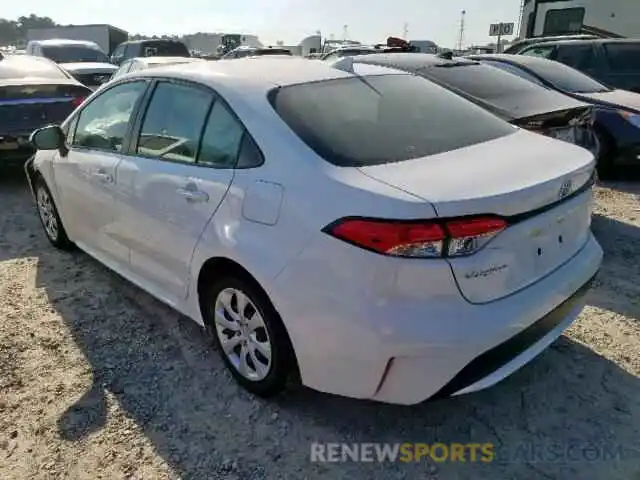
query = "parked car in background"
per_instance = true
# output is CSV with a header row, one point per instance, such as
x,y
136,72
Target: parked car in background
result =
x,y
83,59
137,64
519,45
511,98
349,51
614,62
149,48
248,51
448,248
34,92
617,112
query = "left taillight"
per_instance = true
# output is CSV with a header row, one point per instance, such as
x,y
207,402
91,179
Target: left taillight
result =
x,y
419,239
77,101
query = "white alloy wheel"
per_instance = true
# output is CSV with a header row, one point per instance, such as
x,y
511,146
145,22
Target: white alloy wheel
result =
x,y
47,213
242,334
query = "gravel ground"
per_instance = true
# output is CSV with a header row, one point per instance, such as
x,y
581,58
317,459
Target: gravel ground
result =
x,y
99,380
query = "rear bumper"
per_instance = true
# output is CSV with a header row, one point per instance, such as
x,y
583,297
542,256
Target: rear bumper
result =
x,y
384,344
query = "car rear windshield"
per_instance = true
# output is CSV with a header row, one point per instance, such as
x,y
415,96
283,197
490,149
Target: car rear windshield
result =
x,y
566,78
165,49
360,121
480,81
74,53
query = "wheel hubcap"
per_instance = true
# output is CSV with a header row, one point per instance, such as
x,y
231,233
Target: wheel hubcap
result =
x,y
47,213
243,334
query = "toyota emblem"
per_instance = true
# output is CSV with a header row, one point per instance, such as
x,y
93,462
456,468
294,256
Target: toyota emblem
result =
x,y
565,189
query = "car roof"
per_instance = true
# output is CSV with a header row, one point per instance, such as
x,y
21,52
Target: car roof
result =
x,y
263,73
153,40
524,60
53,42
28,66
586,41
410,60
167,60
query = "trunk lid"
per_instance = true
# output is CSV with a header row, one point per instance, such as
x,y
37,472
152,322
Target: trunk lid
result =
x,y
615,98
25,107
527,178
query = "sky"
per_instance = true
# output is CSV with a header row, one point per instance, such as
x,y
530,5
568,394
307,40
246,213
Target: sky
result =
x,y
370,21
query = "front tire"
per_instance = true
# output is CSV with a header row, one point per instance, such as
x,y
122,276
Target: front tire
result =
x,y
249,335
49,216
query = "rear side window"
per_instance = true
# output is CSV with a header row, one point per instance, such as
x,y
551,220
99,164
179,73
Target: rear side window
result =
x,y
360,121
623,57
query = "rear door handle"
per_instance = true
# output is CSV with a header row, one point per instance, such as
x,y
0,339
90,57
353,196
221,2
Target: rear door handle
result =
x,y
102,176
192,195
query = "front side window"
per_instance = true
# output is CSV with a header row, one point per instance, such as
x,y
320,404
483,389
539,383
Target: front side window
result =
x,y
576,56
540,51
103,123
360,121
173,122
221,139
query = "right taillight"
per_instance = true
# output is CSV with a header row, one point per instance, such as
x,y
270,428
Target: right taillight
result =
x,y
419,239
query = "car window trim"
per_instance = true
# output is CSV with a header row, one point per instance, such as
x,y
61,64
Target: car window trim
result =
x,y
144,106
72,121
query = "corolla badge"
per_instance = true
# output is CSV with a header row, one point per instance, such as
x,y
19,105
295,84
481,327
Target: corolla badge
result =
x,y
485,272
565,189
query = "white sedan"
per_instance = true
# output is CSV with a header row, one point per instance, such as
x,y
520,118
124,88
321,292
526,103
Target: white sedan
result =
x,y
365,231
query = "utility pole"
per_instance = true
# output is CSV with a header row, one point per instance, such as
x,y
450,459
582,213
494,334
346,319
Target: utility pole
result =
x,y
405,31
461,36
345,32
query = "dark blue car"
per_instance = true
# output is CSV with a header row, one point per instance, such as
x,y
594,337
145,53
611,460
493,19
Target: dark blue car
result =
x,y
617,112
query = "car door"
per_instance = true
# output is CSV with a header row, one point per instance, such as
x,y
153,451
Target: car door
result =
x,y
86,177
181,167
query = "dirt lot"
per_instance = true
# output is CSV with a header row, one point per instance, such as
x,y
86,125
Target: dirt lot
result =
x,y
98,380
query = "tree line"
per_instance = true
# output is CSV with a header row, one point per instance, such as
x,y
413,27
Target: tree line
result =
x,y
14,32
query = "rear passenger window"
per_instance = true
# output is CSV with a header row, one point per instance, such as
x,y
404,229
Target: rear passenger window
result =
x,y
173,122
623,57
579,57
221,139
250,155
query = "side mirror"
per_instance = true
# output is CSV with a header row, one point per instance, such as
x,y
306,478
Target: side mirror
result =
x,y
49,138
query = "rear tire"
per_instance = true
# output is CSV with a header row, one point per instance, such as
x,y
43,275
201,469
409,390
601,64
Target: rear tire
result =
x,y
49,216
249,335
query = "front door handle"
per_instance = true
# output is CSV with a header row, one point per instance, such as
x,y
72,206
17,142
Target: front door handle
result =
x,y
193,195
102,176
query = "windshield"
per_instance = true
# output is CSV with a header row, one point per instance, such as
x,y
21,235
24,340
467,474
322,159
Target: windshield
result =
x,y
74,53
566,78
360,121
165,49
480,81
